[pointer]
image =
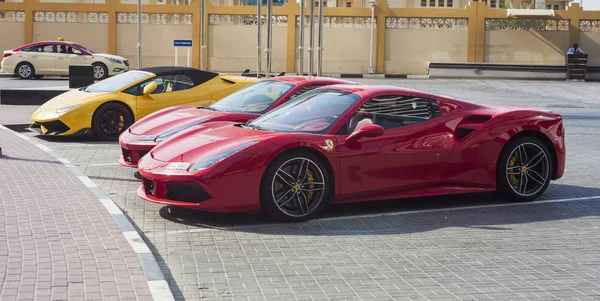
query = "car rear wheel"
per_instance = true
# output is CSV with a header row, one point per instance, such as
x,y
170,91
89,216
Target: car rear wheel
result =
x,y
296,187
100,71
25,70
524,170
110,120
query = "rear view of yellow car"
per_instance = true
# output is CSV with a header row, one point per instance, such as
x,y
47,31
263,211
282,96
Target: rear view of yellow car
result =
x,y
109,107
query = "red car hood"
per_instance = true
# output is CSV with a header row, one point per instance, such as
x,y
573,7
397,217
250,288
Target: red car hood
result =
x,y
167,120
199,143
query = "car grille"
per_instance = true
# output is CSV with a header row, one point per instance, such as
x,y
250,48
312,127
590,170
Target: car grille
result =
x,y
126,154
149,187
186,192
126,63
55,126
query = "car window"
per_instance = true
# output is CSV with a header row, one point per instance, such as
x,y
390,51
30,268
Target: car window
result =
x,y
48,48
117,82
164,84
314,112
84,48
392,111
256,98
304,90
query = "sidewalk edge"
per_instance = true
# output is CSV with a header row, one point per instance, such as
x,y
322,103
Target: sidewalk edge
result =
x,y
157,284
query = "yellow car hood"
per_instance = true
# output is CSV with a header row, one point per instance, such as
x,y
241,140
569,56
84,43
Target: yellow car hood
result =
x,y
70,98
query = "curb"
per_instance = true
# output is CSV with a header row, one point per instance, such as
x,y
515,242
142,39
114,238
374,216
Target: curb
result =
x,y
6,75
159,287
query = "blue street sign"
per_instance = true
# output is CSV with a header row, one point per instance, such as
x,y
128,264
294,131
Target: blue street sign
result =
x,y
182,43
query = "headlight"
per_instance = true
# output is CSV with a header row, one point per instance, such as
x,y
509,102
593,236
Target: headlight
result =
x,y
62,110
172,132
110,59
206,163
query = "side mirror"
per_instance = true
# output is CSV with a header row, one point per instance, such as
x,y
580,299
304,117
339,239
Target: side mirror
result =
x,y
368,130
149,88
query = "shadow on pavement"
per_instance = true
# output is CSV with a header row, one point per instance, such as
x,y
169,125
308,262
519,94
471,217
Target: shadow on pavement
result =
x,y
397,212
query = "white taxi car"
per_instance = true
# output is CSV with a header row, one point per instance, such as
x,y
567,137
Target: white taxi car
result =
x,y
54,57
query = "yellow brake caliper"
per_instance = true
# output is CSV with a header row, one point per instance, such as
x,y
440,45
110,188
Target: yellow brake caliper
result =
x,y
511,163
310,178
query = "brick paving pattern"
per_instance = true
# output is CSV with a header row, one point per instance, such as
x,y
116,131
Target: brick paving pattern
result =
x,y
544,251
57,241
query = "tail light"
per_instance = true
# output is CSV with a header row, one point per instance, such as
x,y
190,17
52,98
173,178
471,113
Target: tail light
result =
x,y
6,54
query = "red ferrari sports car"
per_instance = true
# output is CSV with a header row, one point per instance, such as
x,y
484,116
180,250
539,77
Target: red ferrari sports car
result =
x,y
349,143
241,106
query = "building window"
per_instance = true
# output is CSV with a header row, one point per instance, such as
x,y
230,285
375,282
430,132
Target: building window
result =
x,y
556,7
493,4
348,4
436,3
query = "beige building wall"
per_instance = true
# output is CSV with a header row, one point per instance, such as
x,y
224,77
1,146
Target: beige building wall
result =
x,y
589,41
410,47
158,33
232,44
345,45
11,35
93,36
526,47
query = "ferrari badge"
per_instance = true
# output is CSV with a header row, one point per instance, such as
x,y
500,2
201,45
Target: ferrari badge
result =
x,y
329,143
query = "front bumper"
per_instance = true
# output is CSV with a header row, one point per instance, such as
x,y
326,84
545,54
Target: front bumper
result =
x,y
57,128
132,150
189,191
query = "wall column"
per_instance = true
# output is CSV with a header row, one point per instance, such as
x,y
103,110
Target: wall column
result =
x,y
112,25
196,27
381,12
28,30
573,13
481,13
472,32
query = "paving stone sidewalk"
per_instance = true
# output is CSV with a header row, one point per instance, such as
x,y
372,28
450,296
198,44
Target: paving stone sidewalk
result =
x,y
57,241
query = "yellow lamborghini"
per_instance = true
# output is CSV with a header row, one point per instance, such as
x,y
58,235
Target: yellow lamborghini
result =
x,y
109,107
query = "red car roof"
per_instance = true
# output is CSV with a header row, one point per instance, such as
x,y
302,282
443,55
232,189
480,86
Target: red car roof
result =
x,y
44,42
297,79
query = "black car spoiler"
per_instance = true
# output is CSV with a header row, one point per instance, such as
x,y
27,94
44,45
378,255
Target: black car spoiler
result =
x,y
253,74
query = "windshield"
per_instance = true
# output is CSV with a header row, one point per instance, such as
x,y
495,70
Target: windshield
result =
x,y
314,112
256,98
116,82
84,48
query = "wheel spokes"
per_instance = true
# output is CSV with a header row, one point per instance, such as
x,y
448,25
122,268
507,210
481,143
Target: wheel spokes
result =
x,y
522,154
285,177
304,186
534,175
303,208
523,183
301,176
536,160
279,203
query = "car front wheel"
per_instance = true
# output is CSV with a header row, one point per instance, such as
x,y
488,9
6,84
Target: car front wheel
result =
x,y
25,70
100,71
296,187
110,120
524,170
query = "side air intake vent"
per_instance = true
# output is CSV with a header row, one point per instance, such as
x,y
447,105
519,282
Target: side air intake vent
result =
x,y
470,124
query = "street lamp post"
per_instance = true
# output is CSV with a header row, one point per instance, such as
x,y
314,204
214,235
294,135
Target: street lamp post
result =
x,y
202,34
258,48
269,35
311,37
320,47
372,34
139,33
301,43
